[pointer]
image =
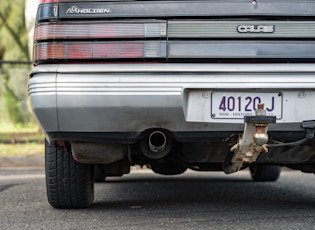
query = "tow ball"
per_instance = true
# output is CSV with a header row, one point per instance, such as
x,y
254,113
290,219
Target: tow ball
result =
x,y
252,142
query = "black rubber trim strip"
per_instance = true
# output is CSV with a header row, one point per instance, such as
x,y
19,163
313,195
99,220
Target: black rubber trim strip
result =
x,y
132,137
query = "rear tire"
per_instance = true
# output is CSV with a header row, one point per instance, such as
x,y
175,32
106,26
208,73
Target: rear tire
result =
x,y
265,172
69,184
167,167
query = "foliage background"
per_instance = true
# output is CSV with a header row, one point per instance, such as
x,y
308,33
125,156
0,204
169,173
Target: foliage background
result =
x,y
14,67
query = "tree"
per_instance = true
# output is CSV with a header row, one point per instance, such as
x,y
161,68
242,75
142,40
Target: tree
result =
x,y
13,46
13,33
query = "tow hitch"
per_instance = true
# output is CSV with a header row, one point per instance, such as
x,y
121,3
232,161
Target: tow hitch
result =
x,y
253,141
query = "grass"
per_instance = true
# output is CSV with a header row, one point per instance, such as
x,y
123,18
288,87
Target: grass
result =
x,y
24,137
20,141
8,127
26,149
15,134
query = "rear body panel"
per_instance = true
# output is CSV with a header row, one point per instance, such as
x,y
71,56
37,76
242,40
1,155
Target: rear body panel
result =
x,y
176,97
113,71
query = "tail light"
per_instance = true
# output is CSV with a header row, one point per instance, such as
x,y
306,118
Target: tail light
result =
x,y
47,10
99,50
98,41
100,30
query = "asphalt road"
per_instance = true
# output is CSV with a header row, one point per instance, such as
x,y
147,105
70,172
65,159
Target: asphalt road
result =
x,y
143,200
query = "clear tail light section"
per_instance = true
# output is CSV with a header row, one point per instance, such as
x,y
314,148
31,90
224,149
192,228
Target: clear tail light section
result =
x,y
74,41
96,30
47,10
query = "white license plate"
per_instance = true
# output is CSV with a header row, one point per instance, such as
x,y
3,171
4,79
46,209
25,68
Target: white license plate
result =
x,y
236,105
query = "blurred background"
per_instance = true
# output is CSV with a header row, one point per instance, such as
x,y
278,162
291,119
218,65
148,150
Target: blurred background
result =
x,y
19,132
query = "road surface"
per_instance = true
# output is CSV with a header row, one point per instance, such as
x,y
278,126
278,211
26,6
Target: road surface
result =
x,y
143,200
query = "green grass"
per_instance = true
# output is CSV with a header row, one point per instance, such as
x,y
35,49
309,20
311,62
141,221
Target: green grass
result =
x,y
15,134
18,140
8,127
26,149
21,137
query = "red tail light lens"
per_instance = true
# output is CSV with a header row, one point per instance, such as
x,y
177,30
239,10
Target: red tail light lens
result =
x,y
97,41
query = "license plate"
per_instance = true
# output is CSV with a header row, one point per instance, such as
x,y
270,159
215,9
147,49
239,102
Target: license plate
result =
x,y
236,105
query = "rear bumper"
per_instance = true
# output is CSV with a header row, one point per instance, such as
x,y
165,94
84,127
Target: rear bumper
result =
x,y
122,98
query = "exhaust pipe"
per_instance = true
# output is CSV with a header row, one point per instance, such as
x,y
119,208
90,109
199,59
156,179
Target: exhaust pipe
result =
x,y
157,141
156,146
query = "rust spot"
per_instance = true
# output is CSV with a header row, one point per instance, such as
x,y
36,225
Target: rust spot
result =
x,y
61,144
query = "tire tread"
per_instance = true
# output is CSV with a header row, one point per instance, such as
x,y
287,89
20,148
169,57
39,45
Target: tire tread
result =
x,y
69,183
265,172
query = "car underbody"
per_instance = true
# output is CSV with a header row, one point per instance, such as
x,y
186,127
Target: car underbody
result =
x,y
172,85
